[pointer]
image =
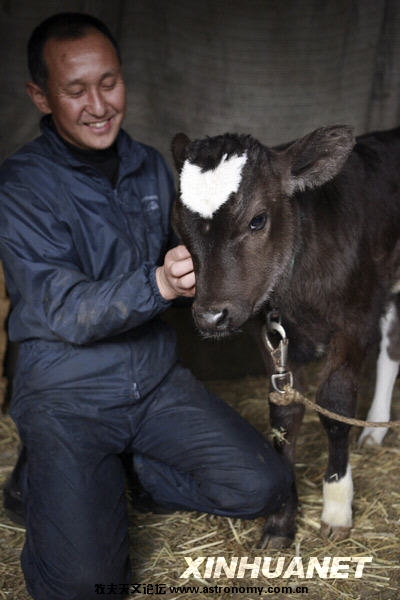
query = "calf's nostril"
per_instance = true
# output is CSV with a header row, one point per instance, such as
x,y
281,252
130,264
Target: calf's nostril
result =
x,y
215,317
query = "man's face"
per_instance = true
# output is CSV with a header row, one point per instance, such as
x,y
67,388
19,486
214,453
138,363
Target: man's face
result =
x,y
85,90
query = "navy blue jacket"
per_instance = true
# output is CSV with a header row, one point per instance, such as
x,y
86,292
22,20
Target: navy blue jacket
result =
x,y
79,259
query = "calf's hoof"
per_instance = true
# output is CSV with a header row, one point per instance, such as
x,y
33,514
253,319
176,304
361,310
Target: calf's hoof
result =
x,y
279,528
333,532
270,541
372,436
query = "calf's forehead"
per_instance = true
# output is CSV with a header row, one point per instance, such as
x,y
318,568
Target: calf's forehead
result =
x,y
204,192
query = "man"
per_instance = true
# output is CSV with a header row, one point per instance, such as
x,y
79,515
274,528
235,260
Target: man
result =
x,y
84,238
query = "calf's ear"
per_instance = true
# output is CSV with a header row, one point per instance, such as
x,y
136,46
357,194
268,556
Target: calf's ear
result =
x,y
316,158
178,146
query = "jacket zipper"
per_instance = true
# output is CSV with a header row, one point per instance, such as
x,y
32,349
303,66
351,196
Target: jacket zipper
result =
x,y
134,388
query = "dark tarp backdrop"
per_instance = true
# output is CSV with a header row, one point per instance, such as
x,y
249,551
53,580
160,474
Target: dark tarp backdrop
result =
x,y
273,68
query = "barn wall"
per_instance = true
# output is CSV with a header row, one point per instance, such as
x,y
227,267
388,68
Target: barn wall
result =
x,y
266,67
271,68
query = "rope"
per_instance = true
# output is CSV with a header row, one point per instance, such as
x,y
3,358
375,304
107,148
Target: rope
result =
x,y
291,395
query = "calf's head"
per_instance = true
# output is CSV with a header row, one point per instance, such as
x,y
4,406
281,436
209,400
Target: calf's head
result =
x,y
236,215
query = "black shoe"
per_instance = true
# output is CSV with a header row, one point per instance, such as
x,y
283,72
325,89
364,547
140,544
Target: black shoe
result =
x,y
13,505
12,492
142,502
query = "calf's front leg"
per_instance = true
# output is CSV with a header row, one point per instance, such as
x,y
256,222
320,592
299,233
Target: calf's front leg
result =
x,y
279,528
338,393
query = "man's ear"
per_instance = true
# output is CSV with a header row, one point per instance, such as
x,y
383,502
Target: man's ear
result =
x,y
178,146
314,159
38,97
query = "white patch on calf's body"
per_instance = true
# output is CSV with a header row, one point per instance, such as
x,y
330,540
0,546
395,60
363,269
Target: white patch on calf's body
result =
x,y
386,374
338,496
203,192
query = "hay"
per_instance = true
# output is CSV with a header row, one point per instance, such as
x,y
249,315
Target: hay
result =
x,y
160,543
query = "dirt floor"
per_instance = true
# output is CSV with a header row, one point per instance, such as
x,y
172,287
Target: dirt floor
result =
x,y
161,543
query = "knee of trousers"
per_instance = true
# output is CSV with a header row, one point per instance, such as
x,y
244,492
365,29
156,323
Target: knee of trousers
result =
x,y
262,491
77,580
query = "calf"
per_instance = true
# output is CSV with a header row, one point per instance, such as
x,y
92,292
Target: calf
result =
x,y
311,228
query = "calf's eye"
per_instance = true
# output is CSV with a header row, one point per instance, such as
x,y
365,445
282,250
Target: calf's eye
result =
x,y
257,223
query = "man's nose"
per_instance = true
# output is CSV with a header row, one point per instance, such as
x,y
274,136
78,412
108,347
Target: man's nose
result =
x,y
96,104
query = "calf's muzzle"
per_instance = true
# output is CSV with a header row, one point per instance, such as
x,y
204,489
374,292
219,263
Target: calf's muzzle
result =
x,y
214,319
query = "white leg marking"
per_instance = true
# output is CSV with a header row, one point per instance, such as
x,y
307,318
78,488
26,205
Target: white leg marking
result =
x,y
338,496
386,373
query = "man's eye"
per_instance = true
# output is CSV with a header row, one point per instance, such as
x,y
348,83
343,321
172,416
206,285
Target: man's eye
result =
x,y
76,94
109,85
257,223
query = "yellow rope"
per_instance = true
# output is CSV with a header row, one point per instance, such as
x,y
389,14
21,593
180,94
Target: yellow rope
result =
x,y
291,395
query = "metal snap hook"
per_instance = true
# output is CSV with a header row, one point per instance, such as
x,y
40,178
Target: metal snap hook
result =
x,y
279,351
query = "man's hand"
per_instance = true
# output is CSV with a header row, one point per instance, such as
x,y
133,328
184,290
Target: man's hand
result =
x,y
176,276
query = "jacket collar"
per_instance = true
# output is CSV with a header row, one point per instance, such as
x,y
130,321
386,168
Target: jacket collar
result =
x,y
131,154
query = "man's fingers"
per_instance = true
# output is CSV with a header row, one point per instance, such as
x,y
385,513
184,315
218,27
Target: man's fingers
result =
x,y
181,267
179,253
176,277
187,282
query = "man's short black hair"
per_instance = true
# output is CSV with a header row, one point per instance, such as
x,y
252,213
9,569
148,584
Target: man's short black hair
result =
x,y
62,26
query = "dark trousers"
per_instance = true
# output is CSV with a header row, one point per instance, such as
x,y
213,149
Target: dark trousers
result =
x,y
191,451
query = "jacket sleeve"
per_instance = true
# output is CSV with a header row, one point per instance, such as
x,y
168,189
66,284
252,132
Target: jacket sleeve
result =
x,y
43,272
